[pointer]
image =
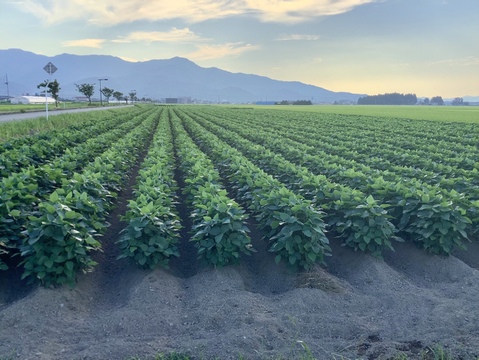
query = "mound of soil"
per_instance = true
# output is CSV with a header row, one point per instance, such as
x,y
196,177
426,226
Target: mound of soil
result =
x,y
358,307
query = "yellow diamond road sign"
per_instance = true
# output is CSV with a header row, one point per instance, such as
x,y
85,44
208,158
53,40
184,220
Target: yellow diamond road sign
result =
x,y
50,68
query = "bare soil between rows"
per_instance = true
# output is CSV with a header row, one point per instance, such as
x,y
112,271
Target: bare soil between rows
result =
x,y
358,307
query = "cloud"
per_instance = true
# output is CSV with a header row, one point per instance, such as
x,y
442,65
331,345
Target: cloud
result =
x,y
308,37
111,12
208,52
174,35
466,61
91,43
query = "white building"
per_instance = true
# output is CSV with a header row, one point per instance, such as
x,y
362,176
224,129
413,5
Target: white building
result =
x,y
31,100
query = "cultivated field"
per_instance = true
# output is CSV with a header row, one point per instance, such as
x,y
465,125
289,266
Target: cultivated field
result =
x,y
241,232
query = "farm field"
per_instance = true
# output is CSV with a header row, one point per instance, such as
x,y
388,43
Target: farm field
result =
x,y
434,113
229,232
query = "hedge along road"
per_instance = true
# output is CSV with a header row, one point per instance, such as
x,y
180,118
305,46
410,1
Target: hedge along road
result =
x,y
37,114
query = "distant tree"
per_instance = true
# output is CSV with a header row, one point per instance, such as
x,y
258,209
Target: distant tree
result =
x,y
108,93
388,99
425,101
132,95
117,95
458,101
437,100
87,90
52,87
302,102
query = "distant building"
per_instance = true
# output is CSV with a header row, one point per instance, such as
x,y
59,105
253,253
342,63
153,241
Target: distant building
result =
x,y
184,100
31,100
179,100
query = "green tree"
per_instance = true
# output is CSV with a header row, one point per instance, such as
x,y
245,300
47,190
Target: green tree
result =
x,y
87,90
437,100
53,88
118,95
107,92
132,95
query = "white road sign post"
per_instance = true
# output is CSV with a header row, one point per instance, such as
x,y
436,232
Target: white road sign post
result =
x,y
50,69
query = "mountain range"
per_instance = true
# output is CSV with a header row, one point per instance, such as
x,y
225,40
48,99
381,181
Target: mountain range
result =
x,y
156,79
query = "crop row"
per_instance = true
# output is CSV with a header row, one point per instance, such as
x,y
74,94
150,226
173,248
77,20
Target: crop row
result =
x,y
38,149
358,219
418,211
297,183
54,232
293,225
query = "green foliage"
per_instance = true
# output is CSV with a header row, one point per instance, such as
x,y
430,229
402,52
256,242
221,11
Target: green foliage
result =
x,y
52,214
59,239
53,88
219,230
220,233
152,234
295,227
433,222
359,220
367,227
403,196
87,90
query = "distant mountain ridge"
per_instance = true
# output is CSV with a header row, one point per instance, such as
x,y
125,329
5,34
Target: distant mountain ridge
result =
x,y
175,77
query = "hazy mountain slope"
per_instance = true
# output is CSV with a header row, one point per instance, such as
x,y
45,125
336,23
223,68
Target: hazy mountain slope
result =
x,y
174,77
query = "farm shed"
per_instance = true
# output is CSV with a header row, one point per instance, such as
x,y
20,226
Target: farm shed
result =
x,y
31,100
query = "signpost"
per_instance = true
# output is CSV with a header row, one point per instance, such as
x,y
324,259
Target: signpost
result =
x,y
50,69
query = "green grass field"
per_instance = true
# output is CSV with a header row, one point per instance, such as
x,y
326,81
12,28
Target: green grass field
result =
x,y
440,113
6,108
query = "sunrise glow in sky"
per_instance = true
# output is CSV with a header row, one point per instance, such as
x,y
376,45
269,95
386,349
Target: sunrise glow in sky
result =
x,y
426,47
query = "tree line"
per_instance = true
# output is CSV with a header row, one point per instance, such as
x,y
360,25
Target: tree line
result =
x,y
53,88
388,99
297,102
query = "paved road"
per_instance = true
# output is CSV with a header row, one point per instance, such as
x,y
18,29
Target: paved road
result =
x,y
37,114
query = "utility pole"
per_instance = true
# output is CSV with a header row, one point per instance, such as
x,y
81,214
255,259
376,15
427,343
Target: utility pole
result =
x,y
6,83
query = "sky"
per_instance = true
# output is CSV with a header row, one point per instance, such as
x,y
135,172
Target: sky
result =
x,y
425,47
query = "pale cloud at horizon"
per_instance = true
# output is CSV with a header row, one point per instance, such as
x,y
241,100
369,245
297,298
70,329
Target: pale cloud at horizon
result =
x,y
174,35
91,43
293,37
208,52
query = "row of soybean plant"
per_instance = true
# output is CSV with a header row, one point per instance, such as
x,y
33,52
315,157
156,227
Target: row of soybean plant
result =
x,y
358,220
218,222
35,150
22,191
433,162
449,183
461,191
419,211
64,225
294,226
